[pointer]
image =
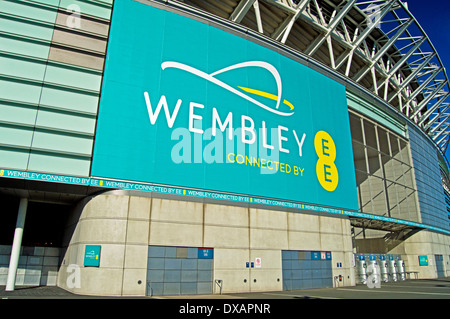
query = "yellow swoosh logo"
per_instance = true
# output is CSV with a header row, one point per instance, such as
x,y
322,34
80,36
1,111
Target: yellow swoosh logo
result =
x,y
265,94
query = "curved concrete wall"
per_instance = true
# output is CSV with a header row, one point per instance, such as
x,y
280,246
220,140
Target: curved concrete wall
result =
x,y
125,226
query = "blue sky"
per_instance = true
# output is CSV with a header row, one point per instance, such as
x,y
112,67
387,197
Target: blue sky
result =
x,y
434,17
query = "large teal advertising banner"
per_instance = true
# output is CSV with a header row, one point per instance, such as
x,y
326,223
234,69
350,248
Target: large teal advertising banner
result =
x,y
187,104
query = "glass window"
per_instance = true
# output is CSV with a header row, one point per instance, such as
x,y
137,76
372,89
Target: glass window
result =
x,y
404,152
384,174
355,127
411,200
378,196
398,171
393,141
369,133
359,157
383,140
374,162
362,181
408,176
387,167
392,197
182,252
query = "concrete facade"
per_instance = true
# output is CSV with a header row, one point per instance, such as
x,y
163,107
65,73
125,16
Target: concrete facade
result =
x,y
125,226
429,244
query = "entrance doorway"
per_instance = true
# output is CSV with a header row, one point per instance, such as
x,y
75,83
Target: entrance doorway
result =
x,y
179,270
306,269
439,266
39,259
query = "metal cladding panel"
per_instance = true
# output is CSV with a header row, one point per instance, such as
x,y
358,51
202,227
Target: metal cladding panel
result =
x,y
428,180
187,104
51,64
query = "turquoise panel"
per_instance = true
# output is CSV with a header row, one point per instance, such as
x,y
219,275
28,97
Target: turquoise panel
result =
x,y
69,100
62,142
92,255
23,68
53,3
73,77
296,144
12,135
20,91
17,113
27,28
15,159
66,121
58,164
29,10
24,47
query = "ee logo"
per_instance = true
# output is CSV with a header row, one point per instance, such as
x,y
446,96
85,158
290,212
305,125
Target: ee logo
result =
x,y
326,170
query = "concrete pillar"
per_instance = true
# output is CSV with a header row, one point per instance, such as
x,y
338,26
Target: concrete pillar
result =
x,y
17,243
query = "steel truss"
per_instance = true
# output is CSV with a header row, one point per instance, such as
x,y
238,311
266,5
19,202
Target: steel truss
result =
x,y
378,44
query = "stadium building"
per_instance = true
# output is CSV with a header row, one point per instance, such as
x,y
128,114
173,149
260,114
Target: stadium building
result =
x,y
208,146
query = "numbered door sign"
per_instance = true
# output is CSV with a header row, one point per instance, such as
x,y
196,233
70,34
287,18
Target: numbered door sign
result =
x,y
205,253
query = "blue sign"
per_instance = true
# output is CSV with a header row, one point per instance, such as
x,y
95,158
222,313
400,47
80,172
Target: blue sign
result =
x,y
205,253
315,255
187,104
328,255
92,255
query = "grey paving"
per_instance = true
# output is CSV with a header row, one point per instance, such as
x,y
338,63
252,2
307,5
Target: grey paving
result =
x,y
410,289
